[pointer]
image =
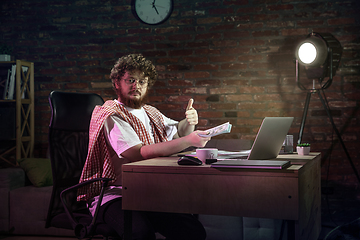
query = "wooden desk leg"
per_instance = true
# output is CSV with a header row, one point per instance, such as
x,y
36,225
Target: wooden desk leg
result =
x,y
291,230
127,224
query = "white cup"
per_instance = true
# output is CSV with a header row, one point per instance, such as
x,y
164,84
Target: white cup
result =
x,y
206,153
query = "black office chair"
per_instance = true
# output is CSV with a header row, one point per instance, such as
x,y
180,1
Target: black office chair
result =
x,y
68,145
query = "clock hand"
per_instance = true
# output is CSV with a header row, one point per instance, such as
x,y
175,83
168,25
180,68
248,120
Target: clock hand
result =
x,y
153,5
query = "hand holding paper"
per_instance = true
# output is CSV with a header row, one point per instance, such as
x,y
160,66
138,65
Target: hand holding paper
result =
x,y
224,128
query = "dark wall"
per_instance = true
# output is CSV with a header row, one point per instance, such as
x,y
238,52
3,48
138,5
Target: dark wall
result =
x,y
235,58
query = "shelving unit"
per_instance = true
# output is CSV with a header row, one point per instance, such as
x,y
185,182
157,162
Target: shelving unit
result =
x,y
23,144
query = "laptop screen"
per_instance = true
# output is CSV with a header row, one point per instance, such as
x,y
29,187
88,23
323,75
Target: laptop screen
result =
x,y
270,138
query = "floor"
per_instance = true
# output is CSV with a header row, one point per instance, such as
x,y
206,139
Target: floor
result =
x,y
340,205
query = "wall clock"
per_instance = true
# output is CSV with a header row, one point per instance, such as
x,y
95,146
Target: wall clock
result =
x,y
152,12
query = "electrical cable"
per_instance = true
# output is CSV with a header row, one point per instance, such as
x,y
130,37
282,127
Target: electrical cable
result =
x,y
328,168
327,180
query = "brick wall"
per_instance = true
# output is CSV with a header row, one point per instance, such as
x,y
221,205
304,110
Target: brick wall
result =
x,y
234,57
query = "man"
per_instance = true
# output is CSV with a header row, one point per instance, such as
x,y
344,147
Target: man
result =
x,y
126,130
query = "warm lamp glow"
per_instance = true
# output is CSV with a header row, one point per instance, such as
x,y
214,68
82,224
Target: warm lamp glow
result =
x,y
307,53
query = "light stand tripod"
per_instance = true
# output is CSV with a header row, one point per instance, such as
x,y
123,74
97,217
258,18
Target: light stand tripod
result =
x,y
306,107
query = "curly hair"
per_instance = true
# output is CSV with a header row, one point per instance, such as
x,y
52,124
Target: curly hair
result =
x,y
130,63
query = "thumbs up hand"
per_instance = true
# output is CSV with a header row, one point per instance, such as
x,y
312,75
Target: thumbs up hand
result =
x,y
191,113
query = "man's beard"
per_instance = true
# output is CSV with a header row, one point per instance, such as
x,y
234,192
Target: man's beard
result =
x,y
133,103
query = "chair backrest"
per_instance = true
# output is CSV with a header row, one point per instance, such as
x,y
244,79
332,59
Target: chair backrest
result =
x,y
68,143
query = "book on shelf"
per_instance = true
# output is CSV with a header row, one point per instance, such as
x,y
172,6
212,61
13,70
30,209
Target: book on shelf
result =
x,y
4,82
6,92
11,86
223,128
8,82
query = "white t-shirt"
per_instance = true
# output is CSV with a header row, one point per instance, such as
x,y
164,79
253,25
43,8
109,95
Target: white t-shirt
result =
x,y
120,136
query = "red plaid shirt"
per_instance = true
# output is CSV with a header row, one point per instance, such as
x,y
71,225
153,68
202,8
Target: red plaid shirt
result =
x,y
98,162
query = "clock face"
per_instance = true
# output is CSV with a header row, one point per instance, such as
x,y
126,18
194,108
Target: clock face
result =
x,y
152,11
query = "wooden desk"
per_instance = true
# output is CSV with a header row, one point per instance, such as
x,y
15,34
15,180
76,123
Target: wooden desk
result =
x,y
293,194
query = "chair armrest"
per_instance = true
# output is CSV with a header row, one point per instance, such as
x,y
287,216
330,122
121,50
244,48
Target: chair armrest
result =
x,y
79,185
68,210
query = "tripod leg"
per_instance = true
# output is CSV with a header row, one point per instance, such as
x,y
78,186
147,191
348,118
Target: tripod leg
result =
x,y
339,136
303,120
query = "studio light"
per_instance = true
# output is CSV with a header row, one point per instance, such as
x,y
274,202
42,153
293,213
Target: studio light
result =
x,y
320,54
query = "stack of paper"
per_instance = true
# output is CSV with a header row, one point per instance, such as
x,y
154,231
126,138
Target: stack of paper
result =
x,y
224,128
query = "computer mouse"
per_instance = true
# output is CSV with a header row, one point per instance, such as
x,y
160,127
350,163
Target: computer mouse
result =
x,y
189,160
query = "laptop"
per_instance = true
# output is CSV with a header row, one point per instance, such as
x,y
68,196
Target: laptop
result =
x,y
241,163
267,145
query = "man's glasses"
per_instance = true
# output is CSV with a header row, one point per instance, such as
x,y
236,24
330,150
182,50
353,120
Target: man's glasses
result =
x,y
141,82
